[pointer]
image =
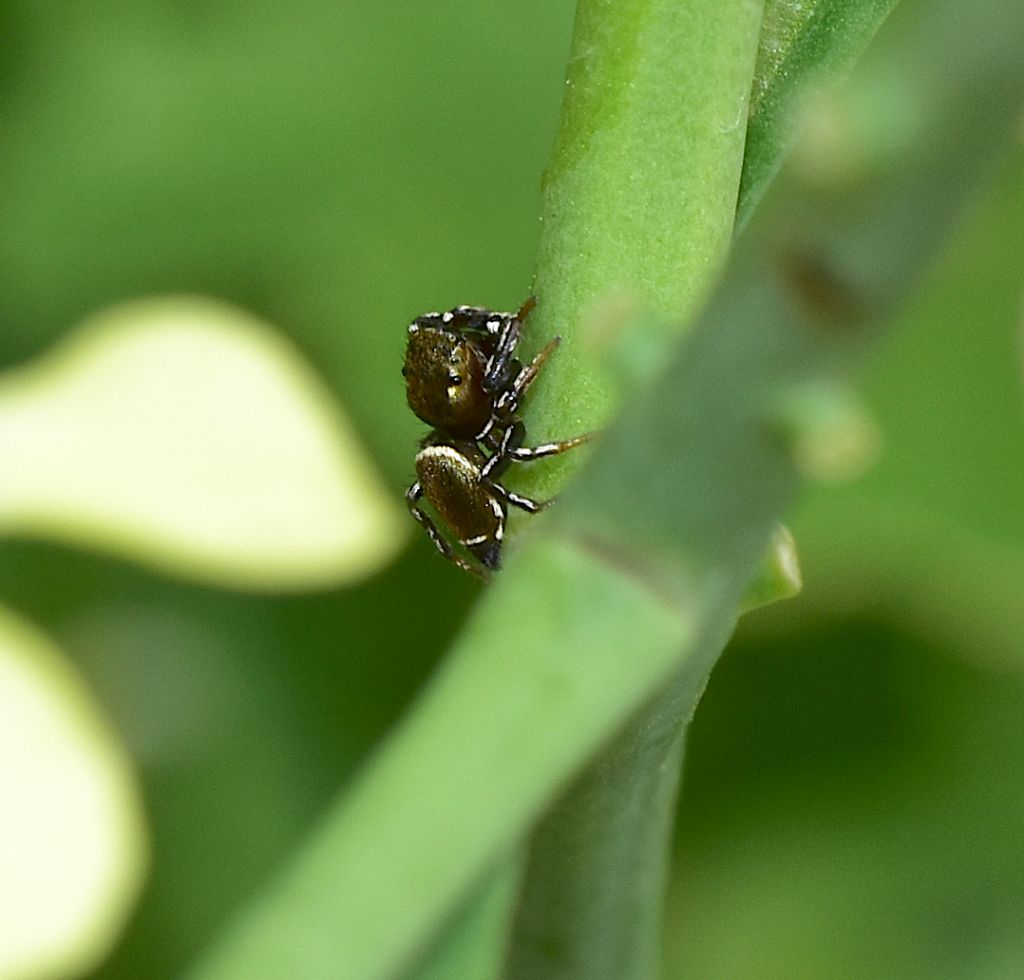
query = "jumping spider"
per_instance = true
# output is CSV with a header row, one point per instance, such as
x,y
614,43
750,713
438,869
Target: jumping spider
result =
x,y
462,378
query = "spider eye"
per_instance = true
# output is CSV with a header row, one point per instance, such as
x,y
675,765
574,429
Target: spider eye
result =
x,y
454,379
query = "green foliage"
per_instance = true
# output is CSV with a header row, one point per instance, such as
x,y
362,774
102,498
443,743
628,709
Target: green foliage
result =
x,y
882,839
476,943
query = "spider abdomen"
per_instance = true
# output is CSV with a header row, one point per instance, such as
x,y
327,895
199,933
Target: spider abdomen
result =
x,y
450,478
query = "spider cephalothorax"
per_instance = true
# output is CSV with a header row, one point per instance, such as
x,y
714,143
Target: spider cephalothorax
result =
x,y
462,378
459,365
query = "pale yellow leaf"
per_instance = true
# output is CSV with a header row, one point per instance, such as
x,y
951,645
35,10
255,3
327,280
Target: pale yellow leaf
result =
x,y
187,434
72,840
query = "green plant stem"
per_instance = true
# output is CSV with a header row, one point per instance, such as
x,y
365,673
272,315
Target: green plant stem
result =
x,y
639,196
591,905
639,201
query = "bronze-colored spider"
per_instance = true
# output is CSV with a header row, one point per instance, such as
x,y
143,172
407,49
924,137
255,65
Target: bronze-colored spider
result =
x,y
463,378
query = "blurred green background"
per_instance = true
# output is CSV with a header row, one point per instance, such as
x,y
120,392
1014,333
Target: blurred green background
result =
x,y
854,797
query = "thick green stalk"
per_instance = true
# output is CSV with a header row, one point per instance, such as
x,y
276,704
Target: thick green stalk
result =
x,y
639,197
639,201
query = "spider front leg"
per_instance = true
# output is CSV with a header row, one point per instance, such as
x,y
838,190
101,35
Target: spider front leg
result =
x,y
507,403
412,499
501,365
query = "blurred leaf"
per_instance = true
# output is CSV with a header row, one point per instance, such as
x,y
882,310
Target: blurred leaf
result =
x,y
188,435
72,838
943,582
854,778
948,394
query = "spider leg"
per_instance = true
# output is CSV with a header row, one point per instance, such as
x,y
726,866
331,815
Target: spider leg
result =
x,y
488,436
511,439
527,307
526,454
509,399
412,498
501,365
507,327
528,504
512,450
528,375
